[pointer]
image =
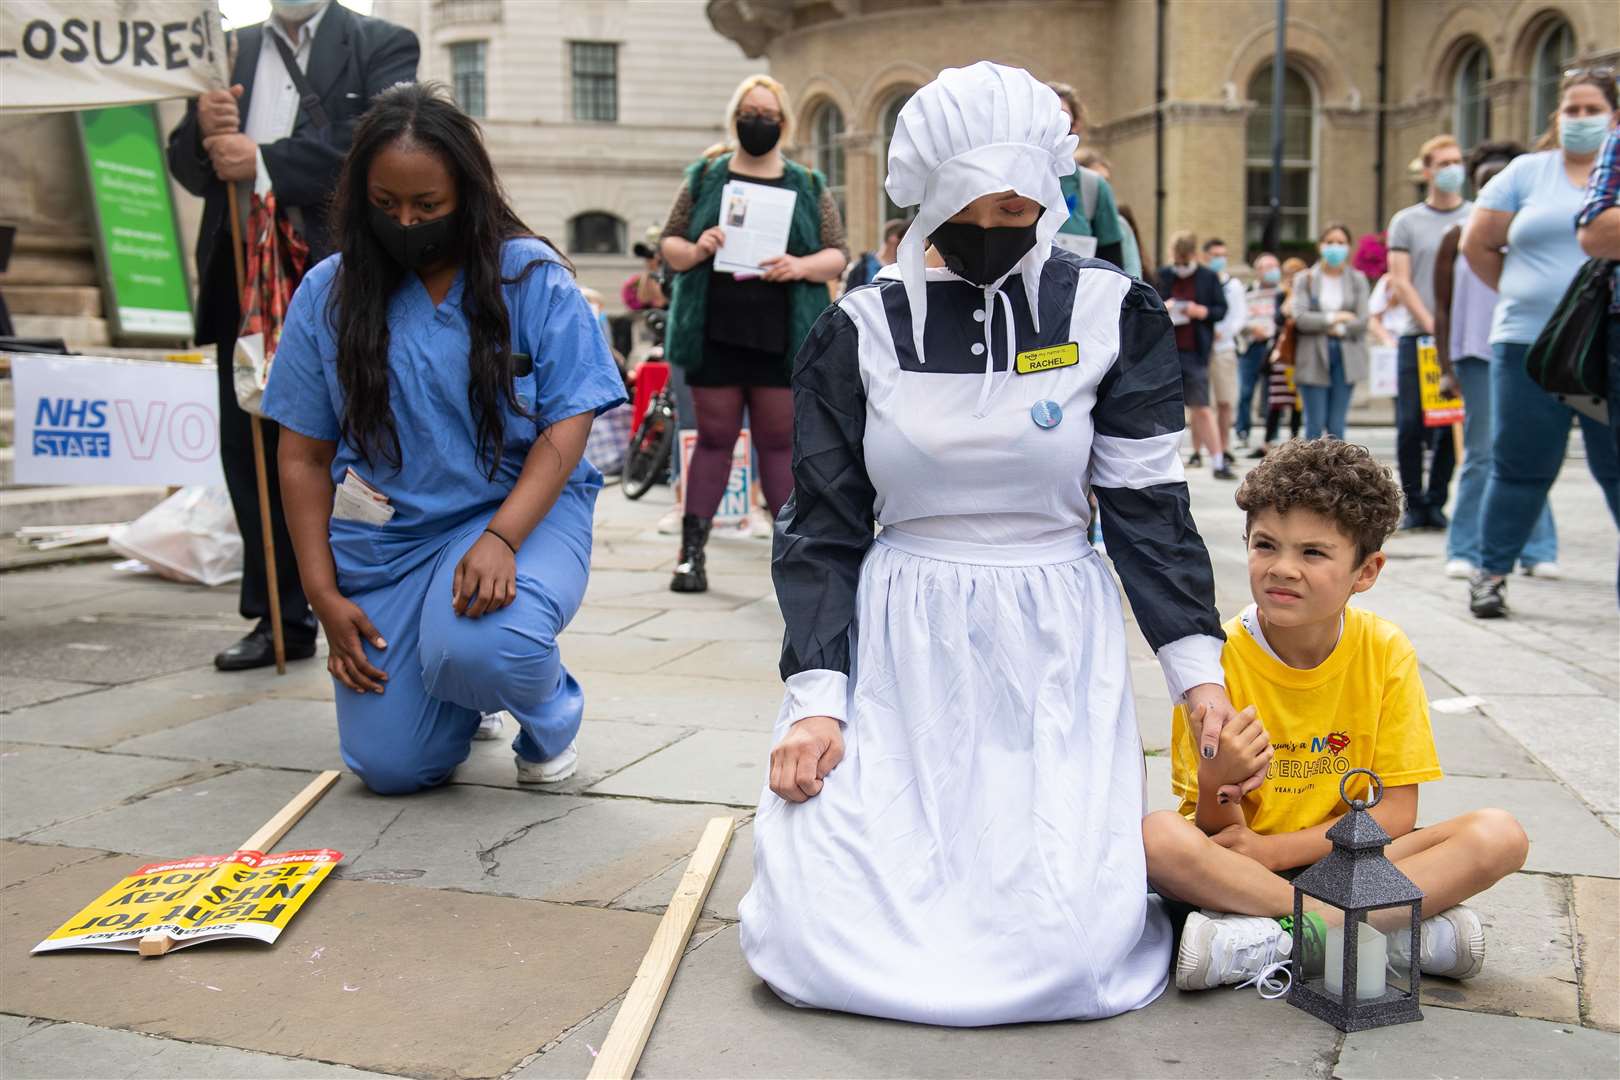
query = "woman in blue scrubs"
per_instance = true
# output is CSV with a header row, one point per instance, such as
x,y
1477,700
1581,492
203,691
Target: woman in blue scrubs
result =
x,y
436,381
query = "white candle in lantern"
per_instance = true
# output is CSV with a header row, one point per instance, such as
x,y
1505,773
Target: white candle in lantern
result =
x,y
1370,955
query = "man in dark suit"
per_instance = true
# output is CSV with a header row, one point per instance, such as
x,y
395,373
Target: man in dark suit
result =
x,y
262,124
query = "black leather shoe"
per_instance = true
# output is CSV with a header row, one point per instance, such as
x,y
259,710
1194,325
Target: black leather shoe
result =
x,y
257,650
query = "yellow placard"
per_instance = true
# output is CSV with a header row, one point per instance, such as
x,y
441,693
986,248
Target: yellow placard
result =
x,y
245,894
1439,409
1058,356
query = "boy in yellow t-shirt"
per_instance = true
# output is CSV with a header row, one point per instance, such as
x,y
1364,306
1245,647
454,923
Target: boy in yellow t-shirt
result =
x,y
1323,688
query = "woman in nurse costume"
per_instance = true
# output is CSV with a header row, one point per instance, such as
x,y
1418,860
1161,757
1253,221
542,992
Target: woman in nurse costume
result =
x,y
952,831
436,381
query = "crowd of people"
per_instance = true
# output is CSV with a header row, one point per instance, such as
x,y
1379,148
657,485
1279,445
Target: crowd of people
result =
x,y
957,758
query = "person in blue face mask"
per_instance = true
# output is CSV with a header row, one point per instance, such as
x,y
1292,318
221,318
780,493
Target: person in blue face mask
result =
x,y
1529,210
435,385
1329,307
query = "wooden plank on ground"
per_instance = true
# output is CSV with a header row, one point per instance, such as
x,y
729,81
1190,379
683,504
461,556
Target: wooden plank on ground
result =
x,y
634,1023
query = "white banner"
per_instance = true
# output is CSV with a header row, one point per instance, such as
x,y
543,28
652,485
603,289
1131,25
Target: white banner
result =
x,y
70,54
100,420
1382,371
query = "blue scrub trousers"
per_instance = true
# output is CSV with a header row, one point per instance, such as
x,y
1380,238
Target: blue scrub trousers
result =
x,y
1530,433
1467,527
445,669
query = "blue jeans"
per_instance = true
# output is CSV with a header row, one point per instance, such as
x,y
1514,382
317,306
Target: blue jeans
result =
x,y
1530,433
1326,407
1251,369
1463,539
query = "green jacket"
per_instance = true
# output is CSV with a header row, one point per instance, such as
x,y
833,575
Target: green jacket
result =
x,y
689,301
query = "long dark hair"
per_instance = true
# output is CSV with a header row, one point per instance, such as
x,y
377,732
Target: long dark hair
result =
x,y
425,115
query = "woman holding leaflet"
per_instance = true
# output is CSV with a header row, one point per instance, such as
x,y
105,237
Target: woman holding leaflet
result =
x,y
734,335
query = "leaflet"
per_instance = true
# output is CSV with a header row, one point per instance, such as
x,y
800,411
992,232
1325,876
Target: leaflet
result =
x,y
756,219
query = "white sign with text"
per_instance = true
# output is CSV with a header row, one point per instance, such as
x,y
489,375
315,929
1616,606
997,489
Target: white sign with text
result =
x,y
103,420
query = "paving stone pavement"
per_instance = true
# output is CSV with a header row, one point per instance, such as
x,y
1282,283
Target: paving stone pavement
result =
x,y
488,930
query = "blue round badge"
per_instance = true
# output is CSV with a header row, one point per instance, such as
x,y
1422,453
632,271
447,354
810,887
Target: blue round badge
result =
x,y
1046,414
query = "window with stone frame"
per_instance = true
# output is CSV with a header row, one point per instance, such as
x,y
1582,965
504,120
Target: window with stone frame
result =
x,y
887,210
827,149
596,232
1297,227
1553,53
467,75
595,69
1471,121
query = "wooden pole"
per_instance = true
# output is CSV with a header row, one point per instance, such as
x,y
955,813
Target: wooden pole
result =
x,y
159,943
261,472
628,1036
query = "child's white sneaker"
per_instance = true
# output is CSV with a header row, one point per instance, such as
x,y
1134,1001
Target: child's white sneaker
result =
x,y
1217,949
670,523
554,771
1452,944
1460,568
1549,570
490,725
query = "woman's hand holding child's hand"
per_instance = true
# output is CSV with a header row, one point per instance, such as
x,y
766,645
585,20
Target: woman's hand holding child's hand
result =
x,y
1242,753
810,750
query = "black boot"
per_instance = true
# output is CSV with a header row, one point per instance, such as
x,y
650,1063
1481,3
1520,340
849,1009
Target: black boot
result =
x,y
689,573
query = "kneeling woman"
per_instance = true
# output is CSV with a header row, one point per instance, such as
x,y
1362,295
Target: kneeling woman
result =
x,y
952,833
436,381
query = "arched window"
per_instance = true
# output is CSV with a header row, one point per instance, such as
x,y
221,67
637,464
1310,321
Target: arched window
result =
x,y
827,148
1298,161
595,233
886,124
1553,51
1473,118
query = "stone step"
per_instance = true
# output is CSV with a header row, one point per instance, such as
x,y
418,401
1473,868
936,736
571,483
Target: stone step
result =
x,y
55,300
88,505
83,333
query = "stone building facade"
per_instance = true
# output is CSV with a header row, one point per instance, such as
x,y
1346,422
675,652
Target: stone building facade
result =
x,y
590,108
1178,91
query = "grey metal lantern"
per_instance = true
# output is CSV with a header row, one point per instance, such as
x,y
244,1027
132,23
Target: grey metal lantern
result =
x,y
1370,976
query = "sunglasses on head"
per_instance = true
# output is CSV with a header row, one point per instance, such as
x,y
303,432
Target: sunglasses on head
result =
x,y
1604,72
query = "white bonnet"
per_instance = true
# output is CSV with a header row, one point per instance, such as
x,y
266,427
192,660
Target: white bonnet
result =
x,y
975,131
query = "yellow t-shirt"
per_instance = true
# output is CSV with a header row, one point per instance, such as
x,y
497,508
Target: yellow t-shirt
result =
x,y
1363,707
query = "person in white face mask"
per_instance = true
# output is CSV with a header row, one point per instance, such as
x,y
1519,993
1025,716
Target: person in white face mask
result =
x,y
951,833
1529,210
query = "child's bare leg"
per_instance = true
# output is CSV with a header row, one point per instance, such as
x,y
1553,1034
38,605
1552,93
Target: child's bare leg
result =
x,y
1457,859
1186,865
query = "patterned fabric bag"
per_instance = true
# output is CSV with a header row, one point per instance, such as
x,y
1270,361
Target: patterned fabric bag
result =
x,y
276,260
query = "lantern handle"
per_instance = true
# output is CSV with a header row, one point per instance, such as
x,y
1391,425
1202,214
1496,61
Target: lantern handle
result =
x,y
1362,804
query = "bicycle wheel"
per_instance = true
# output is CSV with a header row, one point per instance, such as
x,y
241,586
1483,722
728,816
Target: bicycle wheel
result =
x,y
648,459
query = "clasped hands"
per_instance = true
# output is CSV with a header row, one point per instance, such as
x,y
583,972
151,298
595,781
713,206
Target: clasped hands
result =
x,y
233,155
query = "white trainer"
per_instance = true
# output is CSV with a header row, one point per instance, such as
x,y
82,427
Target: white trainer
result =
x,y
1460,568
670,523
1218,949
554,771
490,725
1549,570
1452,944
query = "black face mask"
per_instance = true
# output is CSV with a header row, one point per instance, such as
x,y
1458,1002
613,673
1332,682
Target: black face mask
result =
x,y
413,246
758,136
982,256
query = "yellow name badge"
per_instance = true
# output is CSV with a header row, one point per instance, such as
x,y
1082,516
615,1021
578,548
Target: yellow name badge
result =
x,y
1058,356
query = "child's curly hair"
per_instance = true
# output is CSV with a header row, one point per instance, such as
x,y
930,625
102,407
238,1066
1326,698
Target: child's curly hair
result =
x,y
1335,479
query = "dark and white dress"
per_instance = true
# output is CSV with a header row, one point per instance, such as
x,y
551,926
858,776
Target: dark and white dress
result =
x,y
977,857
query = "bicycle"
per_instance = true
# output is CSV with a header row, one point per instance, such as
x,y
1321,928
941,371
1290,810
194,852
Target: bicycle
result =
x,y
652,439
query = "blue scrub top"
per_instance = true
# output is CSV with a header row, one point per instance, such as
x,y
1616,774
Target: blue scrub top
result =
x,y
442,481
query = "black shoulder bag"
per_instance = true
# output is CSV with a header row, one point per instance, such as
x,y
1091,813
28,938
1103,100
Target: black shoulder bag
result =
x,y
1570,358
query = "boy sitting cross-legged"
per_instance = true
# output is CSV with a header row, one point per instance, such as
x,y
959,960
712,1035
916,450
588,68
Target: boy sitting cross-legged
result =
x,y
1324,688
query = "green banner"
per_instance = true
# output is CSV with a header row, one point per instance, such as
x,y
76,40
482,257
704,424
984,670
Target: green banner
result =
x,y
137,241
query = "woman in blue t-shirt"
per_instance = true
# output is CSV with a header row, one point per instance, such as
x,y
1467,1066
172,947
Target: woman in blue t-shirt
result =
x,y
436,382
1529,210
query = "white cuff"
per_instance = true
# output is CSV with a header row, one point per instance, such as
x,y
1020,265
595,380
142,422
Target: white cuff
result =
x,y
1192,661
817,693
